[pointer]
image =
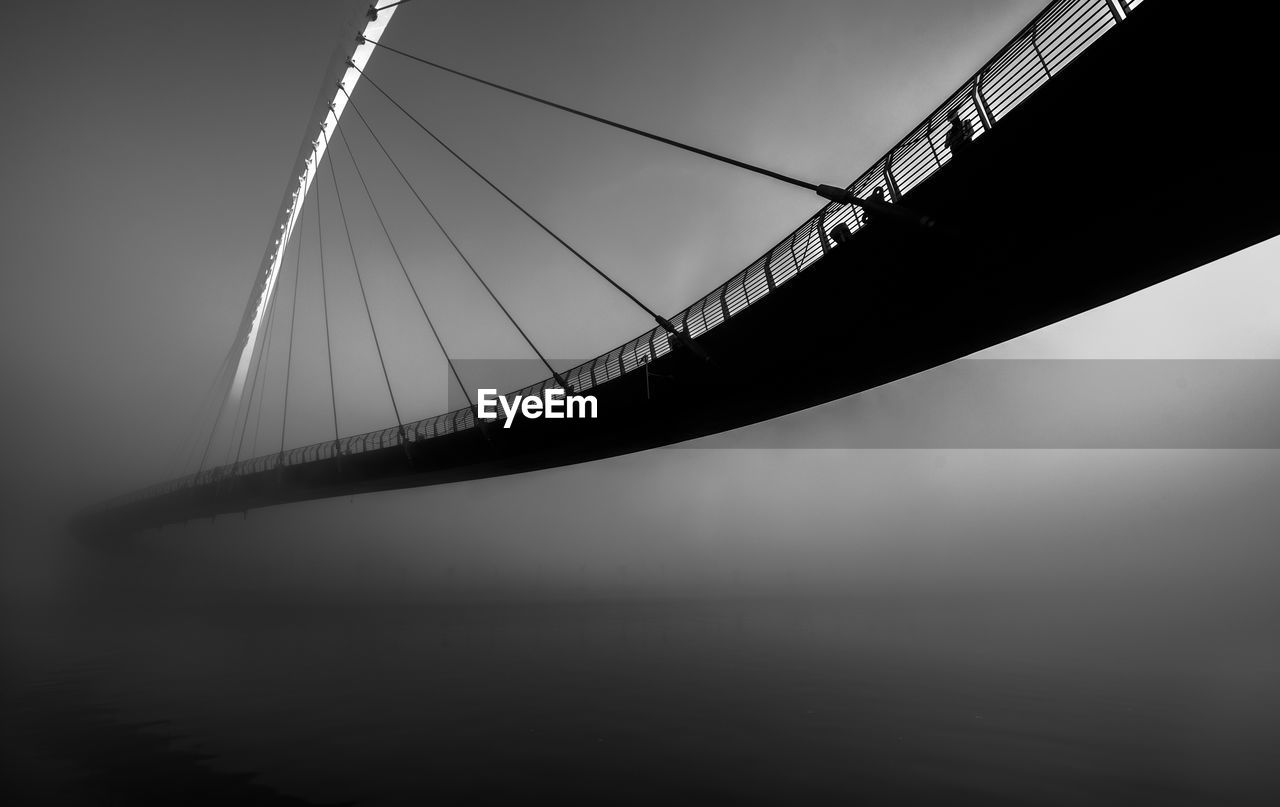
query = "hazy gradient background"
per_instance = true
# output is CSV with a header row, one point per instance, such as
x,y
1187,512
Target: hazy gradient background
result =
x,y
144,150
146,147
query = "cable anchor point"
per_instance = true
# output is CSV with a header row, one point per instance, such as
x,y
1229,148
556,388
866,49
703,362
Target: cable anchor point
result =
x,y
683,338
844,196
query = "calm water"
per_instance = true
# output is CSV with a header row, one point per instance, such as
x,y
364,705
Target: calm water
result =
x,y
1008,700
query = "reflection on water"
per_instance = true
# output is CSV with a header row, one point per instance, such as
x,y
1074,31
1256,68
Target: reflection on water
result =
x,y
761,702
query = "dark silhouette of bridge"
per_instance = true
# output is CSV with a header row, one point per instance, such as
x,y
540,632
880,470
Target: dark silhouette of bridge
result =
x,y
1115,145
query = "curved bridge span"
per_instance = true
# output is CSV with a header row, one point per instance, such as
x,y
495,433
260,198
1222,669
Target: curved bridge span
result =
x,y
1106,159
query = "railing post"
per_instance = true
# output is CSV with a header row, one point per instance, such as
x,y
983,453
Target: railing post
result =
x,y
928,137
980,101
794,256
768,271
724,303
822,232
1116,11
895,195
808,240
1035,45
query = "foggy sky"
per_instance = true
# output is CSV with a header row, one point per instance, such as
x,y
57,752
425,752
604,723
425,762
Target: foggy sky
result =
x,y
146,147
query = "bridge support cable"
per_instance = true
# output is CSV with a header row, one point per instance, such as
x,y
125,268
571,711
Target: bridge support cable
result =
x,y
658,318
829,192
262,399
293,318
264,355
187,449
416,296
217,421
259,369
364,297
324,297
270,268
373,11
554,373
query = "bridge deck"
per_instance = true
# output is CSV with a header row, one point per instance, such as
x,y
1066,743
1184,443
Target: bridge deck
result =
x,y
1135,163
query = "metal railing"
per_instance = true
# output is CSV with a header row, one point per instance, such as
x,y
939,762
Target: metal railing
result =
x,y
1051,41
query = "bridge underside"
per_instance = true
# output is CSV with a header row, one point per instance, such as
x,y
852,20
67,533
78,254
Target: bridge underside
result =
x,y
1141,160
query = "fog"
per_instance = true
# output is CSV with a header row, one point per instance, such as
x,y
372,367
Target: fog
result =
x,y
144,152
139,194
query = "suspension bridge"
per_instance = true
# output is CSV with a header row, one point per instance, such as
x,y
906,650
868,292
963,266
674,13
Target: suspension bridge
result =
x,y
1110,145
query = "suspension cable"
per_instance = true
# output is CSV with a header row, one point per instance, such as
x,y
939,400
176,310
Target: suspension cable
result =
x,y
324,296
264,356
829,192
266,370
800,183
262,399
453,369
222,407
293,316
373,11
191,437
192,440
360,281
554,373
666,325
245,404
